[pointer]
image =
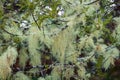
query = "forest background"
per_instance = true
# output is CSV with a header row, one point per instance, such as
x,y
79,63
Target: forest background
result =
x,y
59,39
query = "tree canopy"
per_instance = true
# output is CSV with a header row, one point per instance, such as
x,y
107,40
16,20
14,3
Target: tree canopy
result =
x,y
59,39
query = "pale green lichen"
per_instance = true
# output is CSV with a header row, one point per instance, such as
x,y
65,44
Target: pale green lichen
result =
x,y
20,76
33,43
7,59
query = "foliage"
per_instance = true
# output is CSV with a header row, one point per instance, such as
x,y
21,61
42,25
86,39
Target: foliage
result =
x,y
39,43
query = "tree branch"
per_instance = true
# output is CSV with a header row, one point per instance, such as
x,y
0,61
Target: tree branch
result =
x,y
92,2
35,21
9,32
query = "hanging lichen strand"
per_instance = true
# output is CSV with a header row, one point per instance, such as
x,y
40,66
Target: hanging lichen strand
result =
x,y
33,43
7,59
63,44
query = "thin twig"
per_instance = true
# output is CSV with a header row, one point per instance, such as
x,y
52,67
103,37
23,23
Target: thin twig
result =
x,y
35,21
92,2
43,32
9,32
